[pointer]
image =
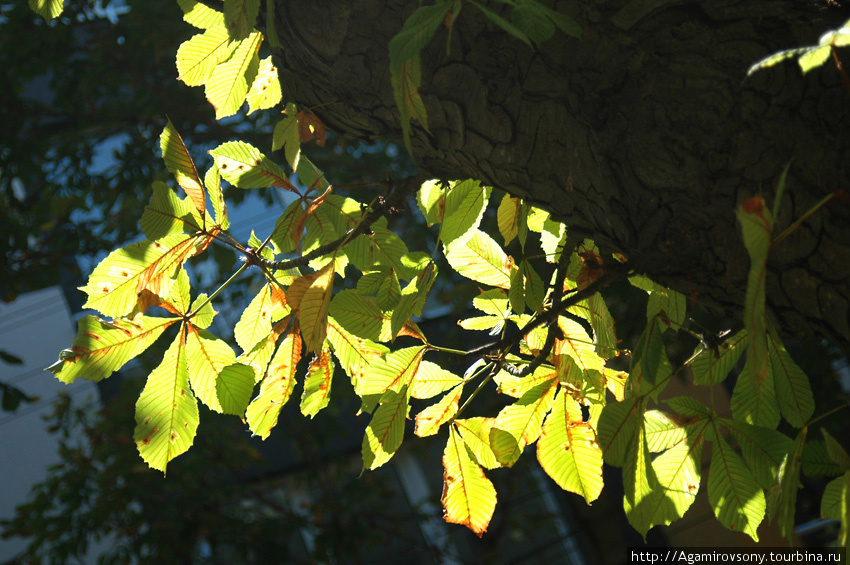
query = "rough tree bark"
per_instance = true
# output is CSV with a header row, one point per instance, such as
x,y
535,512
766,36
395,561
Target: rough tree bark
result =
x,y
643,135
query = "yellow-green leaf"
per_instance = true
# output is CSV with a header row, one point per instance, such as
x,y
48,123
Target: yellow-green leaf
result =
x,y
100,348
217,380
468,497
212,182
178,161
507,217
763,449
385,431
642,490
310,297
167,411
568,450
431,379
793,391
255,323
244,166
712,366
201,16
240,17
481,259
277,387
198,57
317,384
430,199
835,505
227,86
617,427
361,316
428,421
789,483
519,424
259,355
476,435
167,214
663,430
677,471
286,135
115,284
733,492
265,90
814,57
390,373
464,207
754,400
406,80
355,354
48,9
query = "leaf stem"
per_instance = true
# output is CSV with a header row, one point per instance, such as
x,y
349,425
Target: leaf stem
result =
x,y
826,414
224,285
790,229
489,366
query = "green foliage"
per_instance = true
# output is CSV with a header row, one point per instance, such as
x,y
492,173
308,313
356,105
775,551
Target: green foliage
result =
x,y
348,287
809,57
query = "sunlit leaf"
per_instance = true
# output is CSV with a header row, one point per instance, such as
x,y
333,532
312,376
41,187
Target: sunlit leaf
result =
x,y
430,199
198,57
754,400
481,259
519,424
789,483
617,426
813,58
406,80
507,217
244,166
413,298
712,367
48,9
493,302
390,373
476,435
733,492
355,354
464,207
100,348
431,380
643,492
317,384
240,17
361,315
775,58
677,471
256,320
577,345
217,380
604,332
167,411
468,498
178,161
114,286
277,387
286,136
428,421
648,356
265,90
518,386
227,86
385,431
835,505
382,248
568,450
763,449
310,297
199,15
663,430
793,391
260,354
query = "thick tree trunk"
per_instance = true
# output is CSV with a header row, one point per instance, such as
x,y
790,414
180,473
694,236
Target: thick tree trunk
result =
x,y
643,135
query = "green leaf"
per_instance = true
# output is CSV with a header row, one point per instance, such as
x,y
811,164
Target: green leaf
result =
x,y
476,435
381,249
469,497
431,380
789,484
775,58
227,86
733,492
520,423
390,373
355,354
258,357
576,345
677,471
507,217
406,80
244,166
48,9
286,135
481,259
617,427
464,207
757,227
663,430
167,412
568,450
689,407
763,449
265,91
317,384
240,17
835,451
217,380
429,420
530,18
417,31
179,162
385,431
552,236
641,486
115,285
277,387
100,348
361,316
754,400
212,182
493,302
835,505
565,23
526,288
167,214
604,332
310,296
649,355
817,462
256,320
413,298
712,367
793,391
198,57
199,15
430,200
814,57
504,24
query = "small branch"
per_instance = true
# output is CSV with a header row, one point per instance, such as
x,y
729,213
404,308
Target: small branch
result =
x,y
405,188
614,272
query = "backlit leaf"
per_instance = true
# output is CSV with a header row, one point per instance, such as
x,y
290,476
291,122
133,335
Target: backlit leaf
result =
x,y
313,294
167,214
481,259
390,373
464,207
167,411
519,424
413,298
199,15
617,427
677,471
568,450
256,320
212,182
265,90
178,161
430,199
260,354
712,367
663,430
835,451
277,387
577,345
244,166
317,384
227,86
355,354
48,9
763,449
240,17
507,217
361,315
198,57
428,421
431,380
468,497
100,348
493,302
835,505
286,136
417,31
385,431
406,79
733,492
754,400
114,286
813,58
476,435
789,483
793,391
642,490
217,380
647,358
